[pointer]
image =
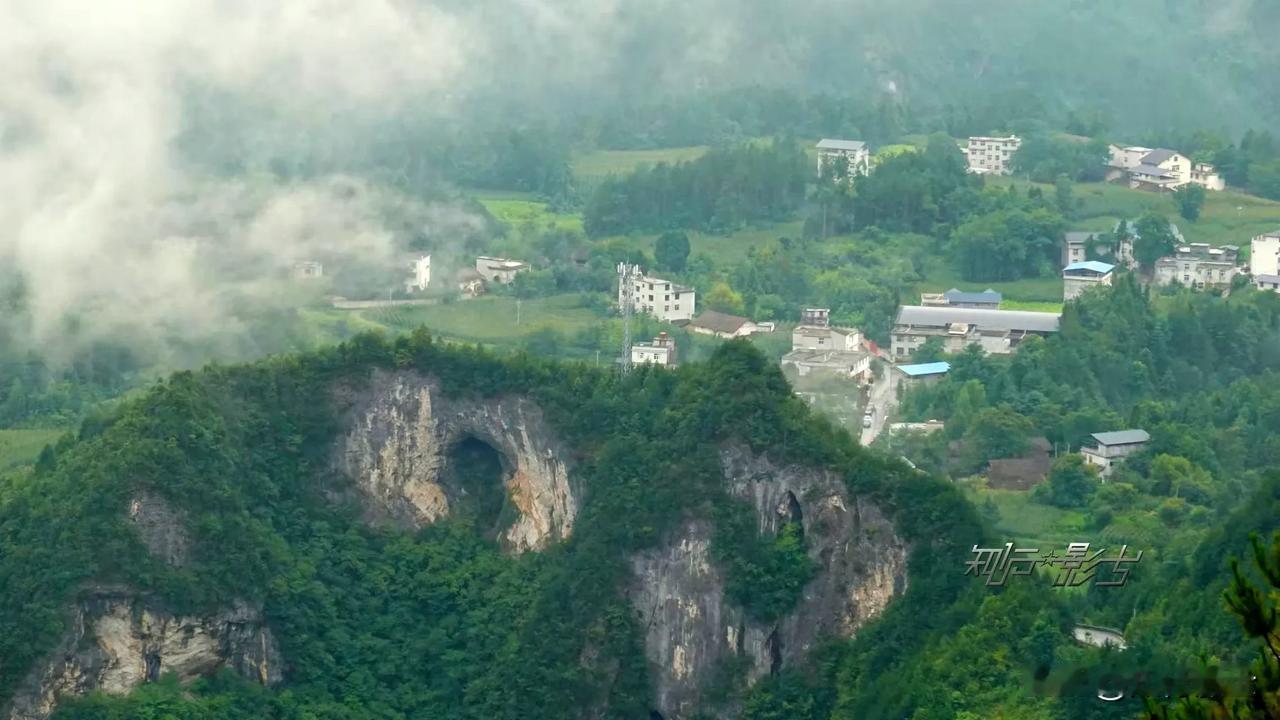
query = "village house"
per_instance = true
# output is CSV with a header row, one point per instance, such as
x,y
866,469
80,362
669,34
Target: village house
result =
x,y
995,331
420,274
1198,266
816,333
959,298
854,153
923,373
816,346
660,298
662,351
726,326
499,270
307,270
1161,169
992,155
1264,261
1112,447
1082,275
1075,246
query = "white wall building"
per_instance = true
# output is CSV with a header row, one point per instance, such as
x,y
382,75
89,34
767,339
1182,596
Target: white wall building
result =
x,y
420,274
662,351
1080,276
1264,261
660,298
1198,266
1113,447
816,347
307,270
992,155
854,152
499,270
1163,169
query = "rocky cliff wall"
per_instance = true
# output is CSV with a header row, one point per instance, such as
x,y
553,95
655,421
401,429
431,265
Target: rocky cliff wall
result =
x,y
401,430
118,640
679,593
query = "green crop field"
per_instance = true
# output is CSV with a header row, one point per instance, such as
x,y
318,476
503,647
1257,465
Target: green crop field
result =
x,y
487,319
941,276
1228,217
519,209
600,163
22,447
1023,521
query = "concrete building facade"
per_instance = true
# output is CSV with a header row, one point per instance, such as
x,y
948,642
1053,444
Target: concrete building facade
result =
x,y
1199,266
995,331
660,298
992,155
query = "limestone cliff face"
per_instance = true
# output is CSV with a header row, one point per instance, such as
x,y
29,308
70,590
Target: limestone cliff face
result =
x,y
397,445
118,640
690,628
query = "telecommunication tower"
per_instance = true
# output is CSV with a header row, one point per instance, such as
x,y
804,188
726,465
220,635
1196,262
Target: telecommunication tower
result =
x,y
626,288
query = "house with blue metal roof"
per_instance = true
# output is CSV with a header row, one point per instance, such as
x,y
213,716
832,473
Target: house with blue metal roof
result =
x,y
1080,276
924,371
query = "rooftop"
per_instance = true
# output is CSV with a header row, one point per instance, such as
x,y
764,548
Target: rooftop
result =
x,y
1265,278
986,296
982,317
1080,236
1121,437
719,322
831,144
922,369
1157,156
1153,170
1091,266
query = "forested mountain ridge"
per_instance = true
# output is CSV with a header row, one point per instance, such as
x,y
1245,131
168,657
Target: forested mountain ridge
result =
x,y
218,490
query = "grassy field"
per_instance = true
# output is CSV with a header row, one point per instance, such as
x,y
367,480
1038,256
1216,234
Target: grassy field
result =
x,y
1031,305
733,248
489,320
1228,217
940,276
21,447
518,209
600,163
1029,523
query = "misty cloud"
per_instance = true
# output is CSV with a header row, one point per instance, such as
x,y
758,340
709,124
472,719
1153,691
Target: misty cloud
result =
x,y
101,217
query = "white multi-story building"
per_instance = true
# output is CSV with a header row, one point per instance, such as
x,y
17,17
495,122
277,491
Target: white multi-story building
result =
x,y
499,270
1198,266
992,155
1162,169
662,351
855,154
1264,261
420,277
660,298
817,347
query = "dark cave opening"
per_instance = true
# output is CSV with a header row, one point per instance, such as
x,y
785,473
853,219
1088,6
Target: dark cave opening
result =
x,y
478,475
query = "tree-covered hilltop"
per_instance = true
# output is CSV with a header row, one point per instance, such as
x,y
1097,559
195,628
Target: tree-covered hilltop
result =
x,y
374,622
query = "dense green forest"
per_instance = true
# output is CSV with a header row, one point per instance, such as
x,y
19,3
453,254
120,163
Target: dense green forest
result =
x,y
501,635
1199,373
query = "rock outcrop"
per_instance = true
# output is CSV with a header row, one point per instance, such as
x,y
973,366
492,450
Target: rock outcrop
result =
x,y
400,433
679,593
118,640
163,529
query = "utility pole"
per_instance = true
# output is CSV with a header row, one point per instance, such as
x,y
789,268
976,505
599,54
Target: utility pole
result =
x,y
517,311
626,273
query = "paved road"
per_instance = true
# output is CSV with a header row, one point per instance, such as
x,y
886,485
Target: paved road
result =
x,y
883,398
